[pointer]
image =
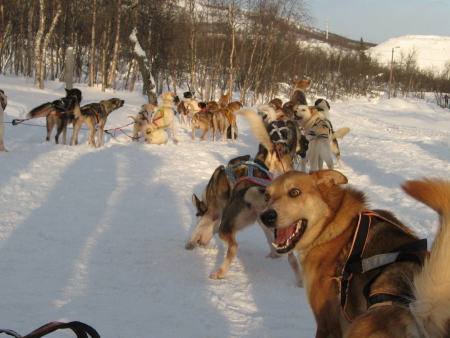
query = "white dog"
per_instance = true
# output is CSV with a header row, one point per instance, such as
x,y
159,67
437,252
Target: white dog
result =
x,y
155,132
142,118
319,132
3,104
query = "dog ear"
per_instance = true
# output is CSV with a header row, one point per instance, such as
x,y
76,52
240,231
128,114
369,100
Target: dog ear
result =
x,y
199,205
327,179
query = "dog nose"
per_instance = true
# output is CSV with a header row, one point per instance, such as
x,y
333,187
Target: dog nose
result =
x,y
269,217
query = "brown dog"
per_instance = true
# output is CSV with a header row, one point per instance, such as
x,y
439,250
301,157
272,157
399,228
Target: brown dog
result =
x,y
94,114
224,118
365,273
225,99
299,91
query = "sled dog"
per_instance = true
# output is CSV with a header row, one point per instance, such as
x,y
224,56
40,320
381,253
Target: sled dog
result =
x,y
94,114
365,273
59,113
155,131
224,209
142,118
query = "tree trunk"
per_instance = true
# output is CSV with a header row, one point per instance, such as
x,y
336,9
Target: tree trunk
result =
x,y
142,62
29,70
233,46
192,44
38,43
47,40
92,56
112,76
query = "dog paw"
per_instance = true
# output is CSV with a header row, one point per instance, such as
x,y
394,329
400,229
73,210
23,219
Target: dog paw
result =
x,y
299,283
273,255
217,275
189,246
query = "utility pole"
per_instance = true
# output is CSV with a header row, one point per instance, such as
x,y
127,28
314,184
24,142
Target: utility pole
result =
x,y
326,35
390,76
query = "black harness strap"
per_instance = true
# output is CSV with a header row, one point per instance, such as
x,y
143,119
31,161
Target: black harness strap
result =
x,y
356,251
82,330
355,263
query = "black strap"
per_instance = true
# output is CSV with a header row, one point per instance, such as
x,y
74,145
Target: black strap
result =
x,y
80,329
402,253
385,297
354,257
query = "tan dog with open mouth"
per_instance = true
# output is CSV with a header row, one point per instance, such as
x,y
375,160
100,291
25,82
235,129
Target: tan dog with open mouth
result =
x,y
155,132
365,273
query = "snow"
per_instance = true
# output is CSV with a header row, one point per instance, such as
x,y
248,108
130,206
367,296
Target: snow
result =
x,y
97,235
432,51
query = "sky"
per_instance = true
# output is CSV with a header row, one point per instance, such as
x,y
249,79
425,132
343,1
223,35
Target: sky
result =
x,y
377,21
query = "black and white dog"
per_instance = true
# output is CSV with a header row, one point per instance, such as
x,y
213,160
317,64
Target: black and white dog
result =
x,y
59,113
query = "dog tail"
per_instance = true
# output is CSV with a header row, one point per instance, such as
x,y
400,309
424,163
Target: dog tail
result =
x,y
40,111
431,285
271,114
133,118
341,132
257,125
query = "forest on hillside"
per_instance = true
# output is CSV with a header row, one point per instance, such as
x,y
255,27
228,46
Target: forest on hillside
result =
x,y
254,47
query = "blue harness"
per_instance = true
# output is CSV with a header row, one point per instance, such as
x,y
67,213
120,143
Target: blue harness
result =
x,y
250,164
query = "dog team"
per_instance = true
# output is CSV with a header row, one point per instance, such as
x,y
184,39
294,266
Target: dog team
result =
x,y
365,273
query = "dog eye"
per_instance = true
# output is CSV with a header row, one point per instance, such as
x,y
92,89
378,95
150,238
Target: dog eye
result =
x,y
266,197
294,192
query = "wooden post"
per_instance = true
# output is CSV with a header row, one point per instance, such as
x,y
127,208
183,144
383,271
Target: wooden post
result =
x,y
69,68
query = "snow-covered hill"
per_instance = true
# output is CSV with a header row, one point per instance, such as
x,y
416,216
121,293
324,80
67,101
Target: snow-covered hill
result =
x,y
431,51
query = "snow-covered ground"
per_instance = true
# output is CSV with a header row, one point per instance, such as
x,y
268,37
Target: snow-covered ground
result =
x,y
97,235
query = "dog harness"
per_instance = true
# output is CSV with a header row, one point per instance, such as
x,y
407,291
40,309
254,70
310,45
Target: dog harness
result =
x,y
356,264
325,124
66,103
160,110
250,177
96,113
278,131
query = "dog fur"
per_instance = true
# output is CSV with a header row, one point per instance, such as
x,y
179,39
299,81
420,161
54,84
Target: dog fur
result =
x,y
94,114
224,119
225,99
320,218
3,104
155,132
299,91
223,208
202,120
59,113
323,106
142,118
320,134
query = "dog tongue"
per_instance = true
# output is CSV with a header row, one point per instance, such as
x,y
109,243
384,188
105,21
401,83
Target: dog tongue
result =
x,y
283,234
